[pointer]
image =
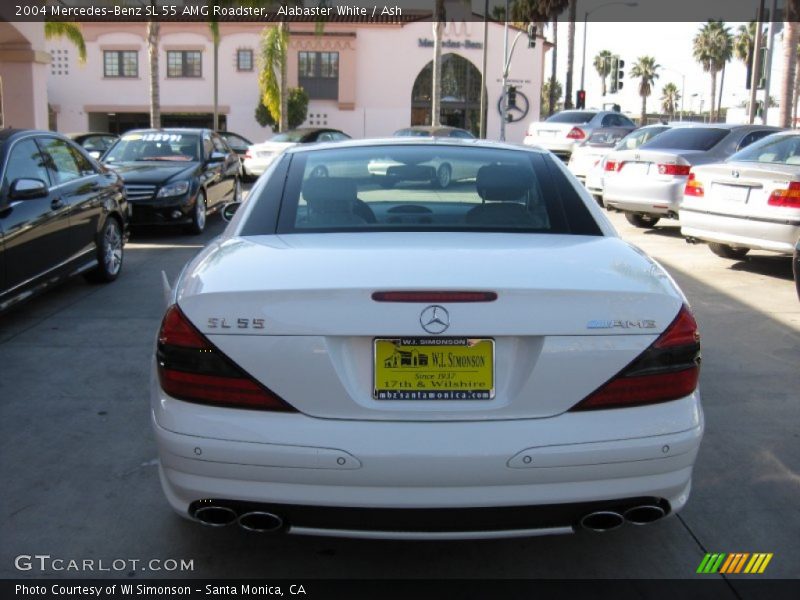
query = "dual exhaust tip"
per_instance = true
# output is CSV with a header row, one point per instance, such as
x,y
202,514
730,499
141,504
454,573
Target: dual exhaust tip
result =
x,y
606,520
256,521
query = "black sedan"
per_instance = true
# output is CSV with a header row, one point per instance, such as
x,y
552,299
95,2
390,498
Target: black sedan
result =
x,y
61,213
176,176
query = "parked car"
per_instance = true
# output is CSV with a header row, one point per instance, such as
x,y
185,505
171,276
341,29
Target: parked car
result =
x,y
238,144
61,213
438,131
260,156
563,131
647,183
176,176
592,150
796,267
594,178
322,369
95,144
750,201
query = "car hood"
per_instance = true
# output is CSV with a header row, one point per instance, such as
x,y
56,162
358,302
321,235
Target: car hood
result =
x,y
152,171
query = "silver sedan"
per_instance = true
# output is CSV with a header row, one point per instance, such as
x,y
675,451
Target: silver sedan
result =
x,y
647,183
750,201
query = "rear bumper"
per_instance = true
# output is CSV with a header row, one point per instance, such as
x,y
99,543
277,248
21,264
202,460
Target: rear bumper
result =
x,y
645,195
757,233
257,166
299,461
556,146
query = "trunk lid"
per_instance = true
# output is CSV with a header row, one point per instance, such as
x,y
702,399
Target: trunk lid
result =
x,y
571,312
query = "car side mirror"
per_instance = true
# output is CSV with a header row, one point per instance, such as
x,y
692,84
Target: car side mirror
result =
x,y
217,157
27,189
229,210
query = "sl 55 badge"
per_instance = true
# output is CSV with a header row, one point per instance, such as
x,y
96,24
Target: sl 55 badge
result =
x,y
241,323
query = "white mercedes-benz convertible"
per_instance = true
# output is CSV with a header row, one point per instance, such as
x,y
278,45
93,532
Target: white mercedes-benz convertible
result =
x,y
485,360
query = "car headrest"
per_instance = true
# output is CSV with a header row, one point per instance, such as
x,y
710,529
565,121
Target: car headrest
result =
x,y
503,182
330,194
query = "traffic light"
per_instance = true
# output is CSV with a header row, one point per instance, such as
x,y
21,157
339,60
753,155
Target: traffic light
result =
x,y
512,96
617,64
580,99
531,35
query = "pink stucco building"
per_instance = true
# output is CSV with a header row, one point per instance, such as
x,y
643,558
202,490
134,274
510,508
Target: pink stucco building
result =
x,y
367,79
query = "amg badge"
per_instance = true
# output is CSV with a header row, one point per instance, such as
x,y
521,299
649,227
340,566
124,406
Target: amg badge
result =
x,y
222,323
618,324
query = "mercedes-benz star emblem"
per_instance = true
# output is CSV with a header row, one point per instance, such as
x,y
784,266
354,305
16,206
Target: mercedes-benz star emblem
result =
x,y
735,174
435,319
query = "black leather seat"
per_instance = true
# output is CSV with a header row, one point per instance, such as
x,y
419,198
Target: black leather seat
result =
x,y
504,190
331,202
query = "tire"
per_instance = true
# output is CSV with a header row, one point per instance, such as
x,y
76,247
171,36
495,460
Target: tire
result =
x,y
444,175
725,251
109,253
199,215
642,221
319,171
599,199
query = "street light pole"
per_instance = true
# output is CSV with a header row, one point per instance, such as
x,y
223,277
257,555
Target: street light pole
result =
x,y
503,107
585,27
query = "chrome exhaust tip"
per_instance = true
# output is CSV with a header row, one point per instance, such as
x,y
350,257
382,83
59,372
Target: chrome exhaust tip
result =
x,y
602,520
644,515
260,522
215,516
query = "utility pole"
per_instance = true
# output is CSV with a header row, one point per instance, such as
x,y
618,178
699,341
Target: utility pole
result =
x,y
483,69
768,67
751,117
503,107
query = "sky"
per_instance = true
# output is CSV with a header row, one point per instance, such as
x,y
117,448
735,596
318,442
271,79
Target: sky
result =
x,y
671,45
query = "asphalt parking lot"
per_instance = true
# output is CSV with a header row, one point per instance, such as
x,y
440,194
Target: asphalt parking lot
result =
x,y
78,460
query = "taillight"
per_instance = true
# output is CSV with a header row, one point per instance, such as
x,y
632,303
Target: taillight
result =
x,y
789,197
667,370
191,368
670,169
612,165
576,133
693,187
247,154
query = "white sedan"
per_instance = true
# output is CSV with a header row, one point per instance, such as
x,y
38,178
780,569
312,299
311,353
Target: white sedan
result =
x,y
259,157
485,360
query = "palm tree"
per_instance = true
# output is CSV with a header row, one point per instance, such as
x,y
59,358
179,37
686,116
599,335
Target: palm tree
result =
x,y
744,43
713,48
71,31
602,64
670,96
153,33
573,7
546,109
272,72
791,29
436,92
645,69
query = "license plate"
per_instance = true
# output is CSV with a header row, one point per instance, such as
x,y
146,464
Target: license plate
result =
x,y
546,133
735,194
635,168
264,154
433,369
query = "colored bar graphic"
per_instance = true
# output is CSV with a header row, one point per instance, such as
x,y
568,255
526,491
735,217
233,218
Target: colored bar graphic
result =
x,y
720,562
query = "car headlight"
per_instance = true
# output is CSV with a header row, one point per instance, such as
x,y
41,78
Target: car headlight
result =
x,y
173,189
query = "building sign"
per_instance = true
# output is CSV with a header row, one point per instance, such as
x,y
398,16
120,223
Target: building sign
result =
x,y
467,44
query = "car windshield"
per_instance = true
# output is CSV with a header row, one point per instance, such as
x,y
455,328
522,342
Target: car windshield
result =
x,y
636,138
413,133
572,117
429,188
289,136
774,149
160,146
687,138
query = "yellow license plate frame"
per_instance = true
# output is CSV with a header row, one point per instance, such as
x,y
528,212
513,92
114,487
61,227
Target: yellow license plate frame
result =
x,y
433,369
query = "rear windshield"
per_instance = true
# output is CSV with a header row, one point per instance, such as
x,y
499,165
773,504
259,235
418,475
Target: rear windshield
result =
x,y
641,136
604,138
687,138
427,188
289,136
572,117
774,149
